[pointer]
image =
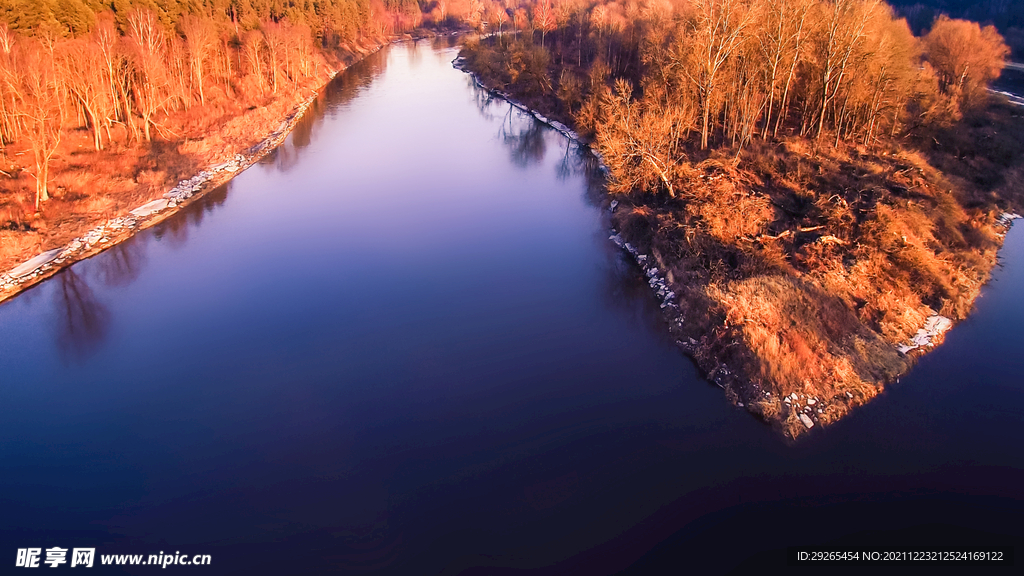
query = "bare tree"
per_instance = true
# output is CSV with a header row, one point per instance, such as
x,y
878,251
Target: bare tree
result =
x,y
497,16
82,71
842,32
717,31
544,18
9,88
41,110
640,141
966,57
117,75
252,47
275,42
780,38
150,79
200,42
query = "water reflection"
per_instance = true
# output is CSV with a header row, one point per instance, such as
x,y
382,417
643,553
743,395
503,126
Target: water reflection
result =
x,y
124,262
568,166
302,134
414,54
526,140
338,92
485,102
579,162
82,321
176,229
439,43
524,137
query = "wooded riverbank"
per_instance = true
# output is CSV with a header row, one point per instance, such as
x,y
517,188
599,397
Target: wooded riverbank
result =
x,y
69,240
806,276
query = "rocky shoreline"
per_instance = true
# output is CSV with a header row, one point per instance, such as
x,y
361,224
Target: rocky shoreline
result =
x,y
809,410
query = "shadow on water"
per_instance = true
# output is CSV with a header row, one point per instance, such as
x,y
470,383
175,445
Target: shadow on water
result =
x,y
82,320
175,230
518,131
439,43
623,285
486,103
579,161
344,88
124,262
524,138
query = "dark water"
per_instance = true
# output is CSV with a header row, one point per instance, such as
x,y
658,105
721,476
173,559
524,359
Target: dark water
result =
x,y
404,345
1011,80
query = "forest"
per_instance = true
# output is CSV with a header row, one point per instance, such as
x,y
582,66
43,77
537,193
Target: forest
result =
x,y
116,68
743,70
816,180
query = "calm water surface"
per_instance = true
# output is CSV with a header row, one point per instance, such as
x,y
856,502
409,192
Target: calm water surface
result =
x,y
403,344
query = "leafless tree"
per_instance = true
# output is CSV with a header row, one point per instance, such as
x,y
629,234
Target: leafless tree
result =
x,y
200,42
717,31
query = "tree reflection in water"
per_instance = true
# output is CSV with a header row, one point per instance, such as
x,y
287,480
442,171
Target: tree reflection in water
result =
x,y
338,92
176,229
524,137
82,321
485,101
439,43
124,262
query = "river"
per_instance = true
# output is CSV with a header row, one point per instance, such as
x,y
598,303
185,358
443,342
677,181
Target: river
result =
x,y
403,344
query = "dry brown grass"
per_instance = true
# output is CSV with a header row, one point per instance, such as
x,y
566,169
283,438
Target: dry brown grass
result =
x,y
804,340
801,268
729,210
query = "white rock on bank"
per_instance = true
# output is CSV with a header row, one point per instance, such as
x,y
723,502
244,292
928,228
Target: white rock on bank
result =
x,y
150,208
933,327
93,236
35,263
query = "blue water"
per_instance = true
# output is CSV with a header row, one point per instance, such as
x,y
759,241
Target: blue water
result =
x,y
403,344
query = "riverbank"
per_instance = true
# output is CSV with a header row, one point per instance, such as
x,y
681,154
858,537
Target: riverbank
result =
x,y
36,251
804,280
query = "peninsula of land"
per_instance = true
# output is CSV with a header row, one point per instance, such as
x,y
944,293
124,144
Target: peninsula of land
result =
x,y
815,194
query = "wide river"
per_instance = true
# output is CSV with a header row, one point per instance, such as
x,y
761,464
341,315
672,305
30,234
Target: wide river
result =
x,y
403,344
